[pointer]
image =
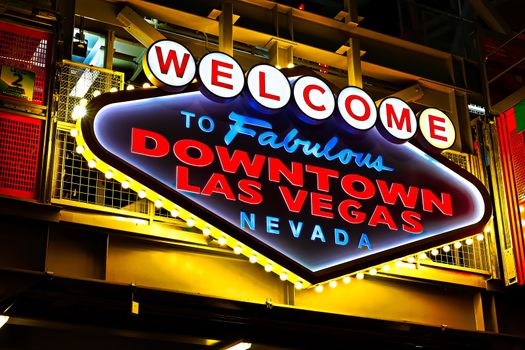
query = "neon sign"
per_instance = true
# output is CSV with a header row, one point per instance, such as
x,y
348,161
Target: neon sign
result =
x,y
280,168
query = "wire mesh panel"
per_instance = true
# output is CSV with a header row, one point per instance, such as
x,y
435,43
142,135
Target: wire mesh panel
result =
x,y
79,81
469,253
24,52
77,182
19,155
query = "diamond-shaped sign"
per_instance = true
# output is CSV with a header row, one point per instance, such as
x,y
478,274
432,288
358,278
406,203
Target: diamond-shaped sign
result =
x,y
321,199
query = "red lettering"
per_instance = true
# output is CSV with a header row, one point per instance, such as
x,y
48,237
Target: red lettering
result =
x,y
230,164
323,176
294,204
181,150
353,217
172,60
348,103
412,220
429,200
405,118
381,215
277,168
218,184
319,202
306,97
182,183
139,138
250,189
432,119
216,73
262,88
396,190
368,191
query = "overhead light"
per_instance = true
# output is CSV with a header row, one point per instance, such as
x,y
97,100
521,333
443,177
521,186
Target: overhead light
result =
x,y
475,109
4,319
239,346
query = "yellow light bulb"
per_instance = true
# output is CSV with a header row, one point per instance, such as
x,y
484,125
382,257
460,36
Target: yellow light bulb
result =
x,y
346,279
253,259
125,184
434,252
96,93
373,272
205,231
298,285
283,276
142,194
480,237
411,259
423,256
469,241
446,249
130,87
175,213
80,149
146,85
73,132
83,102
457,245
360,276
222,241
108,174
191,222
158,204
332,284
319,288
386,268
268,267
113,89
92,163
237,250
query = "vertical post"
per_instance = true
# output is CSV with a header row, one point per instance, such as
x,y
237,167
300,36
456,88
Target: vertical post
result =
x,y
110,45
353,55
226,28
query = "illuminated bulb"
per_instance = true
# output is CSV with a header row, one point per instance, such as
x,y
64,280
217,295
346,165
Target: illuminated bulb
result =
x,y
146,85
158,204
175,213
96,93
360,276
73,132
373,272
480,237
83,102
80,149
253,259
277,66
446,249
3,320
130,87
386,268
398,263
113,89
237,250
346,279
78,112
283,276
411,259
522,209
319,288
191,222
222,241
92,163
423,256
434,252
298,285
291,65
108,174
487,229
142,194
332,284
522,222
205,231
125,184
469,241
457,245
268,267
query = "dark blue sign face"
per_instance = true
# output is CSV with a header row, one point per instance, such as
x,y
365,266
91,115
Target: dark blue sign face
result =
x,y
319,199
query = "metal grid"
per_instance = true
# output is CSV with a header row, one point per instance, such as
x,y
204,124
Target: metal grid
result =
x,y
78,81
19,155
471,255
75,181
27,49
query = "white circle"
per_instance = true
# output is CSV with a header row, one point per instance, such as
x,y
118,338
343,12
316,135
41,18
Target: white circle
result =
x,y
221,75
269,86
169,63
398,118
437,128
363,111
313,97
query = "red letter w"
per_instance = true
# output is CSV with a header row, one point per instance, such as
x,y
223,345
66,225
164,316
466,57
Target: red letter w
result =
x,y
172,60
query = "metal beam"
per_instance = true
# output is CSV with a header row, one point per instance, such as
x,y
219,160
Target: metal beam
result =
x,y
410,94
136,25
226,28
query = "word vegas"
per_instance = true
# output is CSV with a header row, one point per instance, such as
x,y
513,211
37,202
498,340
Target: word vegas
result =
x,y
172,67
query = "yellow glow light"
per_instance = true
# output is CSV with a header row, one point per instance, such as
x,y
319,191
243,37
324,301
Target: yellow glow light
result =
x,y
78,112
237,250
83,102
142,194
205,231
386,268
360,276
298,285
125,184
480,237
319,288
130,87
146,85
175,213
446,249
457,245
522,209
398,263
469,241
191,222
108,174
268,267
253,259
411,259
80,150
283,276
291,65
373,272
158,204
423,256
74,133
96,93
222,241
487,229
113,89
332,284
434,252
92,163
346,279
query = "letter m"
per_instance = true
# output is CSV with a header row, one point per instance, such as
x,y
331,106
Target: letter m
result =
x,y
172,60
400,122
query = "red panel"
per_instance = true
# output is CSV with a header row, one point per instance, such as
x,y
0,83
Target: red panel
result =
x,y
27,49
19,155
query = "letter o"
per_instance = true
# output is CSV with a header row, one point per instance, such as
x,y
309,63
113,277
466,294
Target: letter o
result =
x,y
357,108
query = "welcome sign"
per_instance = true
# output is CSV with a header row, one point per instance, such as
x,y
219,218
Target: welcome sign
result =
x,y
316,184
